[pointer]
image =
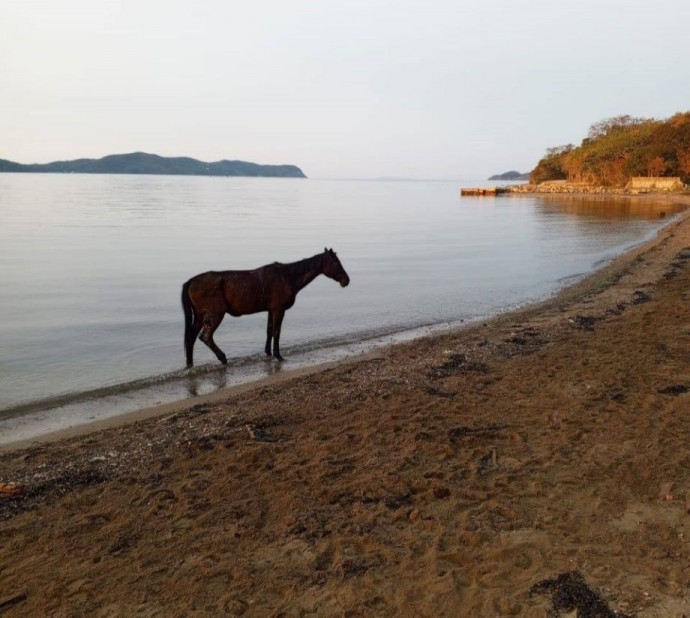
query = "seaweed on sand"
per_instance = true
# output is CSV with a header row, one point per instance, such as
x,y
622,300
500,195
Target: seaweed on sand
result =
x,y
569,591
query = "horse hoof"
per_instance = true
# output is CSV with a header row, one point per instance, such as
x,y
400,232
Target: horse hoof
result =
x,y
224,361
279,357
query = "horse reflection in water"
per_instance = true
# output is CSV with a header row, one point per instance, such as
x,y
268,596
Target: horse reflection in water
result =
x,y
207,297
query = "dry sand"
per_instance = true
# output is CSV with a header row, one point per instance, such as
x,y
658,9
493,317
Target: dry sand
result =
x,y
458,475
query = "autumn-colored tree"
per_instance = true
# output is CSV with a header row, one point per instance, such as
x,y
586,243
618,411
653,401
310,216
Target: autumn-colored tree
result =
x,y
684,163
550,167
617,123
619,148
656,166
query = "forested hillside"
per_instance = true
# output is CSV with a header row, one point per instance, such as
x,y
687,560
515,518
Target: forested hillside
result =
x,y
616,149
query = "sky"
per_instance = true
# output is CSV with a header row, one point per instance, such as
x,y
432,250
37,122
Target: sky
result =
x,y
429,89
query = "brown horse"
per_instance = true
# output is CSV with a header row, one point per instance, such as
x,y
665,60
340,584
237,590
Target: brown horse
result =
x,y
207,297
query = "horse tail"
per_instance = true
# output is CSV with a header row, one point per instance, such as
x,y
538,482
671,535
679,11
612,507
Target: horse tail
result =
x,y
189,335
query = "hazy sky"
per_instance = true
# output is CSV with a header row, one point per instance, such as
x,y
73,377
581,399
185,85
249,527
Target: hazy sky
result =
x,y
354,89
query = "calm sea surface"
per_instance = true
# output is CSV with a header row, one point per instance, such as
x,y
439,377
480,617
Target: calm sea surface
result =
x,y
91,268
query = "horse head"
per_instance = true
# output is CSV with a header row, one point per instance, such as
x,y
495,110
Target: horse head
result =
x,y
333,269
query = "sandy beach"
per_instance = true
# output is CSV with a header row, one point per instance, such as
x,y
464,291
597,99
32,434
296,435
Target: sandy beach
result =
x,y
533,465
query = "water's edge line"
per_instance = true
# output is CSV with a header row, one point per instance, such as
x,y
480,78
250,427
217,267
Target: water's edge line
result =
x,y
437,329
372,337
211,368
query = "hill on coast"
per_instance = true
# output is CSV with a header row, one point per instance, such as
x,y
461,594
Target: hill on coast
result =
x,y
619,148
144,163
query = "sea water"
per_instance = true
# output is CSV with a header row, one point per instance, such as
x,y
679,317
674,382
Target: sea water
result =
x,y
91,269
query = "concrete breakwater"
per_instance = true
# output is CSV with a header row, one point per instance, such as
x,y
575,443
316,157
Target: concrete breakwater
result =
x,y
635,187
482,190
565,187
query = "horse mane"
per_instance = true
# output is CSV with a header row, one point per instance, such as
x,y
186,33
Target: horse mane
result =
x,y
302,266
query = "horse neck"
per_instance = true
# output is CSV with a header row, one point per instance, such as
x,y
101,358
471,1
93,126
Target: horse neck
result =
x,y
305,271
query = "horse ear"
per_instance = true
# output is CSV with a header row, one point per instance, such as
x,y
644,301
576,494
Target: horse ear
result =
x,y
325,250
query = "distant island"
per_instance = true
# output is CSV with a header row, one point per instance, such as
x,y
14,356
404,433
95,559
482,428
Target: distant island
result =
x,y
511,175
144,163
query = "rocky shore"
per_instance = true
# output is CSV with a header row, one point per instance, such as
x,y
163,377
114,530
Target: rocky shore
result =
x,y
533,465
570,188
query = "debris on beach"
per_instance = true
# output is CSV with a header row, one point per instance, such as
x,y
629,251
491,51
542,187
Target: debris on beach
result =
x,y
569,591
436,392
640,297
29,495
679,262
674,389
259,434
12,600
10,489
584,322
457,363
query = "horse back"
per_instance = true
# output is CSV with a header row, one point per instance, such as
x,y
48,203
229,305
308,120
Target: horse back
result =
x,y
246,291
240,292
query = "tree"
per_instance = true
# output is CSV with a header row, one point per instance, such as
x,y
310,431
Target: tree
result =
x,y
684,163
656,166
557,151
609,125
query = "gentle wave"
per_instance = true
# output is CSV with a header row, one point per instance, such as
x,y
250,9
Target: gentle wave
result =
x,y
298,353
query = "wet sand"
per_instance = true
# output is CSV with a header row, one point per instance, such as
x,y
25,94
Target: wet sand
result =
x,y
448,476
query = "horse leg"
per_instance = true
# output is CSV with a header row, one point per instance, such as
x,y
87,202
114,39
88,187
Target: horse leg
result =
x,y
269,332
190,336
278,315
210,323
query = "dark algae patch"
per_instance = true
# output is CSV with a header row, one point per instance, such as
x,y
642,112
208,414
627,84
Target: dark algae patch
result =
x,y
49,490
569,591
457,363
674,389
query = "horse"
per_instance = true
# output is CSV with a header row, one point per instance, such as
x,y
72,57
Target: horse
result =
x,y
207,297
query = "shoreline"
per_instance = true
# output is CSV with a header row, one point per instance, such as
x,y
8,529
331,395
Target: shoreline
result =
x,y
271,373
458,470
257,378
151,412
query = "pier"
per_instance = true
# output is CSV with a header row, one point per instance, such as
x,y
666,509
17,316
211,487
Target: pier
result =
x,y
489,191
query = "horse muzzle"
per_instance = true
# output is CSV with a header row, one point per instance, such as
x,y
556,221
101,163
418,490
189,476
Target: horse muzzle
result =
x,y
344,282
